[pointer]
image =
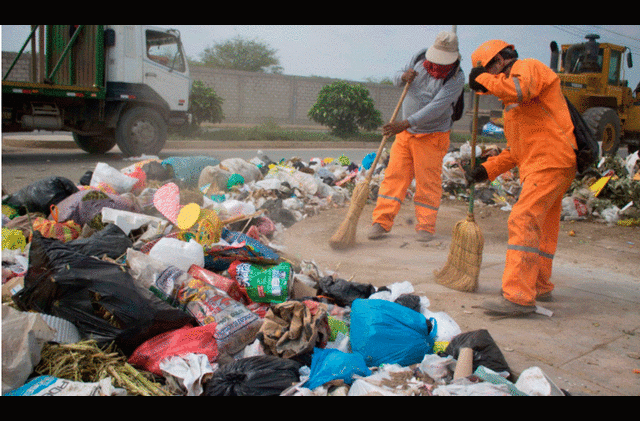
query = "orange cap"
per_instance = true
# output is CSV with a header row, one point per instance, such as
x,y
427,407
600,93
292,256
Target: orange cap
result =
x,y
488,50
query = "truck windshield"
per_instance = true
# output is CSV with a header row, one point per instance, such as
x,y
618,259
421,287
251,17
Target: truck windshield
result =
x,y
164,48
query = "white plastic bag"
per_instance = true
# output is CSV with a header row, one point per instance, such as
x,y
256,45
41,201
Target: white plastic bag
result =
x,y
188,370
296,179
128,221
247,170
447,328
178,253
611,214
534,382
23,336
104,173
437,367
53,386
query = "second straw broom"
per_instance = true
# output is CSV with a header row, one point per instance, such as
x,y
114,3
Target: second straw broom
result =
x,y
345,236
462,269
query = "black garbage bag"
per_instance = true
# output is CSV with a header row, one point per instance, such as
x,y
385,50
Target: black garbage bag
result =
x,y
39,196
110,241
343,292
154,170
85,180
100,298
411,301
262,375
485,350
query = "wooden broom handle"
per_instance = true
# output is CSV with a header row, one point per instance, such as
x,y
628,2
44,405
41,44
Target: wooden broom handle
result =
x,y
384,139
474,136
242,217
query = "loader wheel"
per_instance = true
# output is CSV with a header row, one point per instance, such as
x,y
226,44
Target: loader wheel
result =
x,y
141,131
605,125
95,145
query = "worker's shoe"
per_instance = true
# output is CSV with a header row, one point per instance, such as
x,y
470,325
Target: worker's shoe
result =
x,y
376,232
545,297
505,307
424,236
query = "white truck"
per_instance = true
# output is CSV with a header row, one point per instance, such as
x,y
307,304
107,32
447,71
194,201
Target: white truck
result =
x,y
124,85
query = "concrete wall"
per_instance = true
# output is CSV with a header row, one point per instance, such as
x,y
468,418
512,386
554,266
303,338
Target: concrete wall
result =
x,y
257,98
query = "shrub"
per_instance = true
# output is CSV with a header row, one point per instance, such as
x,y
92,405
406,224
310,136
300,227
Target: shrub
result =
x,y
205,105
344,107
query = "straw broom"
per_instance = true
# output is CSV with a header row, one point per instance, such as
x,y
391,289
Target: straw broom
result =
x,y
345,236
465,253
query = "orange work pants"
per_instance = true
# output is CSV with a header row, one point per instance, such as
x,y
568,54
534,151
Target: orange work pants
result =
x,y
533,225
412,156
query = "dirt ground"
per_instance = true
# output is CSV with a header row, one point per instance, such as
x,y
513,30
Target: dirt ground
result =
x,y
589,346
581,243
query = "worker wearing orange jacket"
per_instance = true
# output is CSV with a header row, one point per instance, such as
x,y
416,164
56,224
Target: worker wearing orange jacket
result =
x,y
541,143
422,137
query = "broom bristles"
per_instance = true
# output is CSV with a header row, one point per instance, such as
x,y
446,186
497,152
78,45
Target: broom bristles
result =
x,y
345,235
465,257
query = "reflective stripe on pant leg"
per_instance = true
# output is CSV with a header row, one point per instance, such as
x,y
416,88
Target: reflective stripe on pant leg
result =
x,y
397,178
428,152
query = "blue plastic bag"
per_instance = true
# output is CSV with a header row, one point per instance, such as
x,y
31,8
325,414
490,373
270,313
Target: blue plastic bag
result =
x,y
332,364
384,332
367,161
188,168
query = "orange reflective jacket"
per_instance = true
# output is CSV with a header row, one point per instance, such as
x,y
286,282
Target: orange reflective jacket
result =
x,y
537,123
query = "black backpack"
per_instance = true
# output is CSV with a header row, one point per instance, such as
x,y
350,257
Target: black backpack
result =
x,y
458,106
588,149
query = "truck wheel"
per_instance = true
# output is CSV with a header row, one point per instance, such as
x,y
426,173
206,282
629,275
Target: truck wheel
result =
x,y
96,145
605,125
141,131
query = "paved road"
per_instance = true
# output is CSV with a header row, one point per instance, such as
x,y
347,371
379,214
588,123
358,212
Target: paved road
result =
x,y
29,157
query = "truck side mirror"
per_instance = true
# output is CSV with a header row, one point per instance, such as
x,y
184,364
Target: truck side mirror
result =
x,y
629,61
109,37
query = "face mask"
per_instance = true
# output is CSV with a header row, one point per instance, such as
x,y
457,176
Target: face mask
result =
x,y
438,71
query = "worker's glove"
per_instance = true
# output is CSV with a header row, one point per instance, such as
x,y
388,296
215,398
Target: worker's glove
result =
x,y
473,74
477,175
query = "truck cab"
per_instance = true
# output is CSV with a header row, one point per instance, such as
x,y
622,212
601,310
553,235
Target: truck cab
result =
x,y
107,84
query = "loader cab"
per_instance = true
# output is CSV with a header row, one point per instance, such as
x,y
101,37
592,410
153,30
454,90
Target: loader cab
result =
x,y
583,58
593,57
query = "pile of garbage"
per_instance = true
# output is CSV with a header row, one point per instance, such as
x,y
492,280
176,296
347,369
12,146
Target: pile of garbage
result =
x,y
609,192
165,278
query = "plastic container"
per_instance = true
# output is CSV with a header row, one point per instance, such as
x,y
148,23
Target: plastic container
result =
x,y
178,253
128,221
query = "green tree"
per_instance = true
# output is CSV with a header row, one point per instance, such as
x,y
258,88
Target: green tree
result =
x,y
242,54
205,105
343,107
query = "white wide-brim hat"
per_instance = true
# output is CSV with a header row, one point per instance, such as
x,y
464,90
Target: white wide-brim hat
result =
x,y
444,50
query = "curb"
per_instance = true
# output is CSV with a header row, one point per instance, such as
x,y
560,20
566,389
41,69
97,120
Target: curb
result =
x,y
18,142
198,144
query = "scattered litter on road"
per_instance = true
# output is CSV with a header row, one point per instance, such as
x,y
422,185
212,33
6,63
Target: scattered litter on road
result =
x,y
167,278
